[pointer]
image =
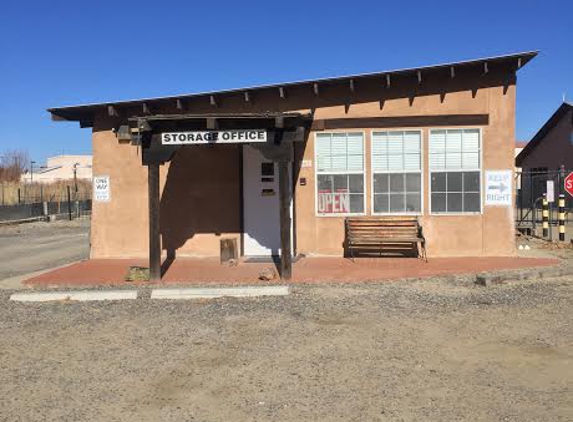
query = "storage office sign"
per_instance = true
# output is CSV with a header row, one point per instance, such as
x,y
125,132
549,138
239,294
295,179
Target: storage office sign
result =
x,y
101,189
214,137
498,187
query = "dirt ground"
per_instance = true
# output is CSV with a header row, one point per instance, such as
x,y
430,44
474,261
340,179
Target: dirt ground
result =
x,y
407,351
25,248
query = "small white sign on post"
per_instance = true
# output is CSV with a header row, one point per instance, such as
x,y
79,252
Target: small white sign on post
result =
x,y
550,191
101,189
498,187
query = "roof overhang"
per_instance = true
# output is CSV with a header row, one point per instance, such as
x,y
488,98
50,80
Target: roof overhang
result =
x,y
85,113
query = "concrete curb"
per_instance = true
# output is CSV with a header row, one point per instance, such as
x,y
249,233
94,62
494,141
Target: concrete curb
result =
x,y
491,279
80,296
214,292
166,293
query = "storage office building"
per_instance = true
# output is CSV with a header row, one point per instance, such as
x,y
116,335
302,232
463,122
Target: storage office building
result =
x,y
279,167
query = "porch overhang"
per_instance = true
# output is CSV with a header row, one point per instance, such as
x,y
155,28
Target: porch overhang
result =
x,y
281,130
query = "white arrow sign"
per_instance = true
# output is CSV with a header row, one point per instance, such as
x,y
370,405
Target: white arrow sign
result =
x,y
498,187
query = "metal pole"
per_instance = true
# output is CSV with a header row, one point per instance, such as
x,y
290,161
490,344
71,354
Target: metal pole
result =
x,y
561,217
76,179
545,216
69,203
531,195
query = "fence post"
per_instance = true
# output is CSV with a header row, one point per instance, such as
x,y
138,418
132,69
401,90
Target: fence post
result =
x,y
561,217
69,203
545,216
19,197
2,193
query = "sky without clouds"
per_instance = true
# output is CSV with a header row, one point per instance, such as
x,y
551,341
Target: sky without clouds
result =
x,y
60,53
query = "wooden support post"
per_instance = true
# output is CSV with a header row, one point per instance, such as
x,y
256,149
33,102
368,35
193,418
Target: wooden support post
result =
x,y
154,235
285,224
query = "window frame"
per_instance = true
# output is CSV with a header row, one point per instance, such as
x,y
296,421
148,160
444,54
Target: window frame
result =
x,y
479,171
317,173
421,172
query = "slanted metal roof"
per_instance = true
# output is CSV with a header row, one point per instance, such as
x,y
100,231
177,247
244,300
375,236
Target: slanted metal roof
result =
x,y
85,111
563,109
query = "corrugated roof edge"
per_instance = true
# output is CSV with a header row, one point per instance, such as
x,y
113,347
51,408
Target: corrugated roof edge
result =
x,y
528,55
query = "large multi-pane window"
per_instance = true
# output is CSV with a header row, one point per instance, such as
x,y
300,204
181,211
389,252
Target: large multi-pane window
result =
x,y
397,172
339,159
455,171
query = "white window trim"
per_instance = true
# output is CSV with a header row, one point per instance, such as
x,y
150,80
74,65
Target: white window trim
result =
x,y
421,172
480,171
363,173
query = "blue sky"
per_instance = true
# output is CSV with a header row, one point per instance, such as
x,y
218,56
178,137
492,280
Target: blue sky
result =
x,y
69,52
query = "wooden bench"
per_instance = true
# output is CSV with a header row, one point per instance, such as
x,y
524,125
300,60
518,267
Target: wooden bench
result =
x,y
385,234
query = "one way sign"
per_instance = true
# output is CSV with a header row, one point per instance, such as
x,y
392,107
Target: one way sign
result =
x,y
498,187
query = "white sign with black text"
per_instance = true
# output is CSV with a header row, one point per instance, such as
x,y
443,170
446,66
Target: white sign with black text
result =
x,y
550,191
101,189
498,187
214,137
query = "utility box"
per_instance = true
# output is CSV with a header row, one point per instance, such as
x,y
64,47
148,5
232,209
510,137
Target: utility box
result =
x,y
229,251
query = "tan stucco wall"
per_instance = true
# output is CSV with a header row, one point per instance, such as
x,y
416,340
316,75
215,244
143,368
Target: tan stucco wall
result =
x,y
204,203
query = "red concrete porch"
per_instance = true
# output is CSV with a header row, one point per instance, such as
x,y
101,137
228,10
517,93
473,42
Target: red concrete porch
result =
x,y
307,270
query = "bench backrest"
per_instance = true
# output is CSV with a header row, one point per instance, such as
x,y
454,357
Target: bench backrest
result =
x,y
382,227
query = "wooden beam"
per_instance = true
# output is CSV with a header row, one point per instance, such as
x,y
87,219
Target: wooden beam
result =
x,y
111,111
485,68
56,118
315,88
387,80
247,98
213,101
146,109
123,133
211,123
285,223
352,86
452,72
282,92
279,122
519,62
179,104
154,229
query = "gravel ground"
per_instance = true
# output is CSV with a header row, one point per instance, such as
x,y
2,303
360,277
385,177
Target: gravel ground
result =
x,y
29,247
410,351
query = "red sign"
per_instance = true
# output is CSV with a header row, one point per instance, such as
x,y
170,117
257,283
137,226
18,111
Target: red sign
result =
x,y
569,184
333,202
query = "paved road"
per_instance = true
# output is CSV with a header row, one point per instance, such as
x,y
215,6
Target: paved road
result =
x,y
31,247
